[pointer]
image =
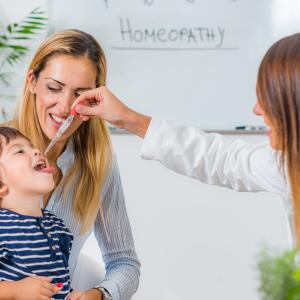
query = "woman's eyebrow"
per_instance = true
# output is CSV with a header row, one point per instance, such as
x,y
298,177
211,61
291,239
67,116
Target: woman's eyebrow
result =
x,y
63,84
77,89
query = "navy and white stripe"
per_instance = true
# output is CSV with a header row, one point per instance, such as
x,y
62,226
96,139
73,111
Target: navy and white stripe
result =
x,y
34,246
115,238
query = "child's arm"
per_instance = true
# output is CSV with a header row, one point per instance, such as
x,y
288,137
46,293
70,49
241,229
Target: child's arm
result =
x,y
7,290
35,287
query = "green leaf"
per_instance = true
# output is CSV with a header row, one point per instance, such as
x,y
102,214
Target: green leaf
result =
x,y
20,38
30,27
25,31
5,78
297,275
35,23
37,10
293,293
18,47
15,36
9,28
38,18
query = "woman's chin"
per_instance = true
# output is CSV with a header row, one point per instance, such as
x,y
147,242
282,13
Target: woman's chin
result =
x,y
49,131
49,134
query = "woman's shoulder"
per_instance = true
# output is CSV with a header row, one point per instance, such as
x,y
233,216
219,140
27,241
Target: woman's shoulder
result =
x,y
112,173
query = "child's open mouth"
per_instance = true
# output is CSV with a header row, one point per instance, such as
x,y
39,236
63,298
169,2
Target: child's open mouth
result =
x,y
41,166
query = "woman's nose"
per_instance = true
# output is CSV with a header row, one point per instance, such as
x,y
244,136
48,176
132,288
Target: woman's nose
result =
x,y
65,105
257,109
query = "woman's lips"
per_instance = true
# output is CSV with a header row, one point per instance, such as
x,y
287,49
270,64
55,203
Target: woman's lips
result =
x,y
55,120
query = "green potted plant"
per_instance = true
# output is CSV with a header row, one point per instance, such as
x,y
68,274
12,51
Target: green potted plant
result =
x,y
14,46
279,275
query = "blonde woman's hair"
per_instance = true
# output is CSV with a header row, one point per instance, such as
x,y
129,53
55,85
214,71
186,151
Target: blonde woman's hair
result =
x,y
92,145
278,91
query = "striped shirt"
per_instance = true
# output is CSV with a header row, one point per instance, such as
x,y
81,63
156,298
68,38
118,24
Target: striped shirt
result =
x,y
114,239
32,246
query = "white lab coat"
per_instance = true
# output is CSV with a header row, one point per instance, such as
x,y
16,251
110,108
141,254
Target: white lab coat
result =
x,y
209,158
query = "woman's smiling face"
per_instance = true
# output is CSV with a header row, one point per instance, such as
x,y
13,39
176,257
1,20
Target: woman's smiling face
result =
x,y
62,80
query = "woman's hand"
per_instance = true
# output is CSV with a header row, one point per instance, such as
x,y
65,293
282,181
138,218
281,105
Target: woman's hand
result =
x,y
101,102
35,287
75,295
92,294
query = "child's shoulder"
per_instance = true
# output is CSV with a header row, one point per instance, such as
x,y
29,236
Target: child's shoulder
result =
x,y
52,218
6,214
11,221
49,215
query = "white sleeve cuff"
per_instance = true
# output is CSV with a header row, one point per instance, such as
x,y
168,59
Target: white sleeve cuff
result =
x,y
151,139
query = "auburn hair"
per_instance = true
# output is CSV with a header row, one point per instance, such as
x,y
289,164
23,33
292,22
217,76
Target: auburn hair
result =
x,y
278,92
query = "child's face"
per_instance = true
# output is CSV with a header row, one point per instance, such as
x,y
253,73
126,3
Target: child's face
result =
x,y
23,169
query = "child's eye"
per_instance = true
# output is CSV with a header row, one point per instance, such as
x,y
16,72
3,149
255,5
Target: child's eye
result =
x,y
19,151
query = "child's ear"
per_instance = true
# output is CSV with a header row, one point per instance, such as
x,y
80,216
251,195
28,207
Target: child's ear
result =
x,y
3,189
3,186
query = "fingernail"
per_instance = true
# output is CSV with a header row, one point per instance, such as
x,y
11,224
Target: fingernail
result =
x,y
73,112
59,285
79,108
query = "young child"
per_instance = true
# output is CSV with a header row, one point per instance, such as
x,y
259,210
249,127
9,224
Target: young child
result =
x,y
34,243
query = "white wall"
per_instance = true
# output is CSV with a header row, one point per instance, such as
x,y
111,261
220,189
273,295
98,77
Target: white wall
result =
x,y
201,76
194,241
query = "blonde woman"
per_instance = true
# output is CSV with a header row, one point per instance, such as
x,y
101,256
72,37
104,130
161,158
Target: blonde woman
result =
x,y
273,166
88,194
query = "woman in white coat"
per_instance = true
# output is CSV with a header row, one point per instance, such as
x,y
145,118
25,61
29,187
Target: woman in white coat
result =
x,y
273,166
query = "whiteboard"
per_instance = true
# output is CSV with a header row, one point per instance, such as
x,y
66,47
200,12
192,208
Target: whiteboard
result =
x,y
193,61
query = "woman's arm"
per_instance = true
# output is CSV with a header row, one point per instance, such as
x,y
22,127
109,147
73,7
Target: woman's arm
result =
x,y
111,109
116,242
136,123
188,150
211,159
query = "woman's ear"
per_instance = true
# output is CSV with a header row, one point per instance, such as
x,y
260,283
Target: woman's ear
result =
x,y
31,81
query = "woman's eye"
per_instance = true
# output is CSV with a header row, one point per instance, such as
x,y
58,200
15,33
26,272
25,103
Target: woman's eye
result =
x,y
54,90
77,94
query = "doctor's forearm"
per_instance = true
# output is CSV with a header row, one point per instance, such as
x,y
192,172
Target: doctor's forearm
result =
x,y
136,123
